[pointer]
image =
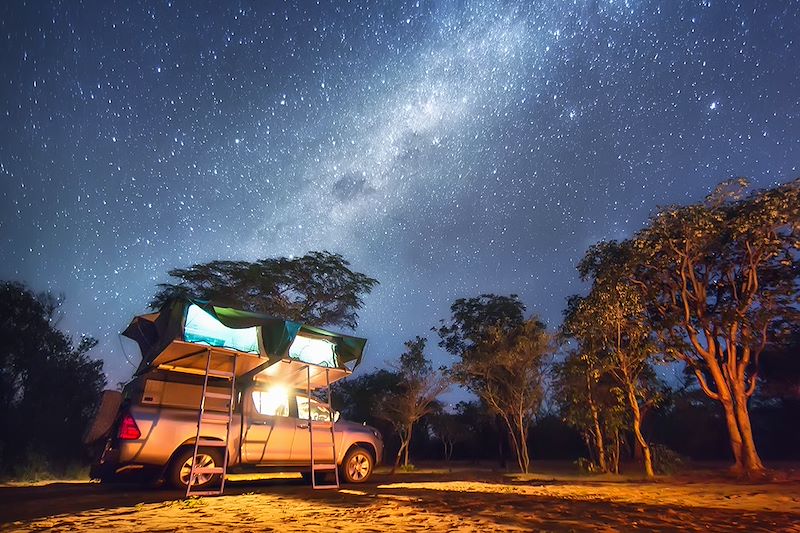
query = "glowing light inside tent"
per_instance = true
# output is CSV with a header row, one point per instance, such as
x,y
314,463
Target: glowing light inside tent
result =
x,y
202,328
314,351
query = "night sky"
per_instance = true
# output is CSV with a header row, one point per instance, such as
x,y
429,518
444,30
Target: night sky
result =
x,y
445,148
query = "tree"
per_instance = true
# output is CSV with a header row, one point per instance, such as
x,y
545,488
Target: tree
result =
x,y
500,360
47,384
419,387
721,278
611,324
318,289
450,429
588,402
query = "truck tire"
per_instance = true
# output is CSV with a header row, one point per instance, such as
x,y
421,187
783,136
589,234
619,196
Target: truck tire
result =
x,y
181,465
357,465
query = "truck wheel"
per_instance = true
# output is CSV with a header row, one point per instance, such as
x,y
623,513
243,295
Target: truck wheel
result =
x,y
357,466
181,467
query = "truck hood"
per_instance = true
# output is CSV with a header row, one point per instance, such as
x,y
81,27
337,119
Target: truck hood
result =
x,y
353,427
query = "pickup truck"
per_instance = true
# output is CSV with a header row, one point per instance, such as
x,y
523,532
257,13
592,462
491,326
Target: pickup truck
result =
x,y
155,427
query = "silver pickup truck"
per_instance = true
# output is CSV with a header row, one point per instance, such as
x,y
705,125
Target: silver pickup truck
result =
x,y
155,428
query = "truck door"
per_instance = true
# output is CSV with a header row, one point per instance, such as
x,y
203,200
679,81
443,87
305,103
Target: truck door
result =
x,y
301,449
269,430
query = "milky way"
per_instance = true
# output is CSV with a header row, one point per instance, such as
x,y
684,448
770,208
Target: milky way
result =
x,y
447,148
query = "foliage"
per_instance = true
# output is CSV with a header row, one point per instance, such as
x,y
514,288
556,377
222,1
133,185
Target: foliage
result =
x,y
720,279
47,385
318,289
613,332
665,460
587,466
589,401
419,387
359,398
450,429
472,318
501,358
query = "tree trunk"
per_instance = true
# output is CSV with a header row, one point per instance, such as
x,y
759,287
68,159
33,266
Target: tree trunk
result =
x,y
408,445
397,458
405,439
637,430
598,438
750,459
616,452
723,396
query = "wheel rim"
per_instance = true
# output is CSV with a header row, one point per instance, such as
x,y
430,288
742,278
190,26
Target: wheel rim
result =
x,y
358,467
203,461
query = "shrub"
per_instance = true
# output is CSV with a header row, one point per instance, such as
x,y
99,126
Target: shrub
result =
x,y
665,460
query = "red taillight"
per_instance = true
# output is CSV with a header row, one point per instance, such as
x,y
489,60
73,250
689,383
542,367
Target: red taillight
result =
x,y
128,430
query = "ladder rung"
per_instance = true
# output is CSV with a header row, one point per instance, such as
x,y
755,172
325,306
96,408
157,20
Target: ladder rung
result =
x,y
326,486
220,374
323,466
209,470
214,417
209,442
219,395
205,493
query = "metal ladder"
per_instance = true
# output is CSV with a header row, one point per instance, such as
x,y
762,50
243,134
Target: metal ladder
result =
x,y
326,445
204,418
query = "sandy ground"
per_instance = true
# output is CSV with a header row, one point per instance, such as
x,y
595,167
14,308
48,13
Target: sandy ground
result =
x,y
437,501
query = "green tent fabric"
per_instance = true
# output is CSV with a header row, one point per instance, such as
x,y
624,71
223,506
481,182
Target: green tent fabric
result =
x,y
155,333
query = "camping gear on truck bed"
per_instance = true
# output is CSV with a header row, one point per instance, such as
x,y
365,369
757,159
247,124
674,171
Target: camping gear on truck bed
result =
x,y
198,338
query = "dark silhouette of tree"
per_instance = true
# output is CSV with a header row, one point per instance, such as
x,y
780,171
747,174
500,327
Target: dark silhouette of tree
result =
x,y
501,357
450,429
49,387
318,288
419,387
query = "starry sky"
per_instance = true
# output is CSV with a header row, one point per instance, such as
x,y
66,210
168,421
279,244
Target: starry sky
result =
x,y
447,148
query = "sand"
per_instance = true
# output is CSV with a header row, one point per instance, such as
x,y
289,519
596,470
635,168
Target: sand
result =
x,y
460,501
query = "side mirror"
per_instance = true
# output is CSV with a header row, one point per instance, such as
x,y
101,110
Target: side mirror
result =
x,y
336,416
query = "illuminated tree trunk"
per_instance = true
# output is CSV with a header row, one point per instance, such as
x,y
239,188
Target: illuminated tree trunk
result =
x,y
751,460
637,430
408,445
598,437
723,395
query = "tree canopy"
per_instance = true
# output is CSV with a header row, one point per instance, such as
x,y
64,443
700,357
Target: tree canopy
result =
x,y
318,289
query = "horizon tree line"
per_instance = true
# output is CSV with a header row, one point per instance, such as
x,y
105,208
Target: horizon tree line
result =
x,y
711,285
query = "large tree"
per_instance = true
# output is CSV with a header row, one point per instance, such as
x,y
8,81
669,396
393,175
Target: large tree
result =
x,y
318,288
419,386
501,356
48,385
720,278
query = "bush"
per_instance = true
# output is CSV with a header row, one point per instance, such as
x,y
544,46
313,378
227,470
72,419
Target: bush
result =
x,y
665,460
585,466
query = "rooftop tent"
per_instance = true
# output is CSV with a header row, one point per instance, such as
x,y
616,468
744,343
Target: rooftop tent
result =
x,y
181,334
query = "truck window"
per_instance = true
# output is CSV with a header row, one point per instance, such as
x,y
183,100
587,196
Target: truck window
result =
x,y
272,402
318,412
